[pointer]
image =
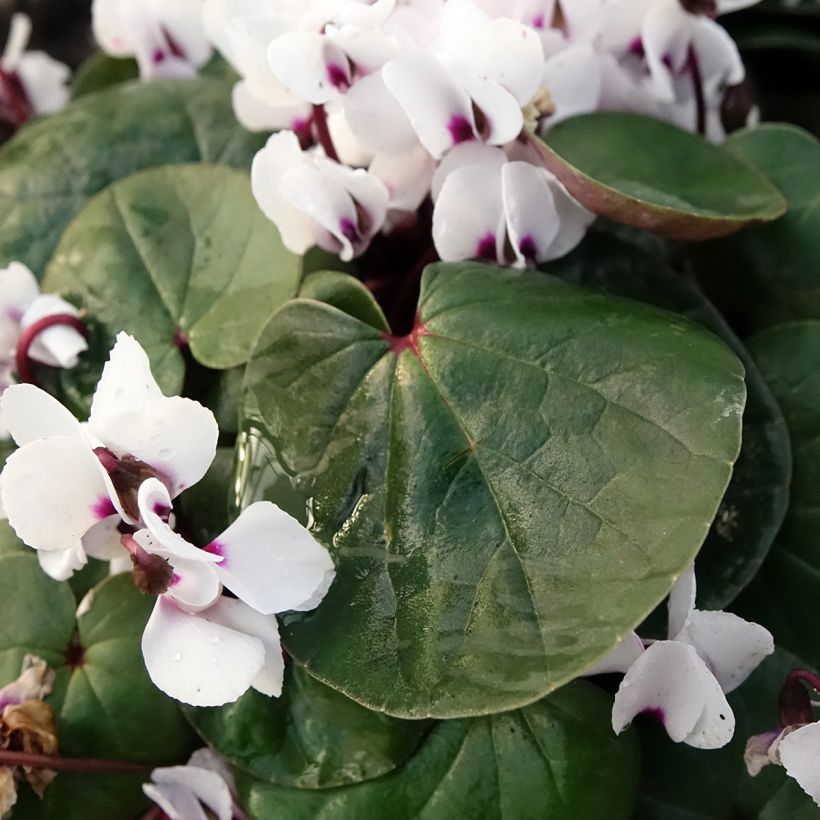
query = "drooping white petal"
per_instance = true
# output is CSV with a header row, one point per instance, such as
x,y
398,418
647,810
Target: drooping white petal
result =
x,y
17,41
257,114
438,108
464,155
532,218
671,681
58,346
198,661
407,177
468,218
349,150
575,219
130,416
109,28
103,542
46,82
375,116
182,21
732,648
177,802
728,6
621,22
235,615
666,37
800,753
280,155
573,79
18,289
54,492
501,116
270,561
205,785
30,414
310,65
62,564
718,58
681,601
620,658
368,50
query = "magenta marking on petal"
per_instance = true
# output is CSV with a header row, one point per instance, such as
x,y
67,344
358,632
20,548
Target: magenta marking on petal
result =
x,y
215,548
104,508
349,230
14,313
486,247
538,21
636,47
162,510
159,56
460,128
656,712
175,579
528,249
338,77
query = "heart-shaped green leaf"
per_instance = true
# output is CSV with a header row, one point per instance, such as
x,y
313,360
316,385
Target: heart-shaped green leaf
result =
x,y
177,251
100,71
55,165
556,758
755,502
785,594
312,737
771,274
649,174
507,490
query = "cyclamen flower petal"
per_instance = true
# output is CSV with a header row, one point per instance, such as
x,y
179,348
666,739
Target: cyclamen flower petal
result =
x,y
620,659
165,36
270,561
315,201
62,564
671,681
131,417
799,753
195,659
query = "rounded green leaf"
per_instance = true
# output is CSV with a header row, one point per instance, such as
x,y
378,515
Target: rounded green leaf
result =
x,y
100,71
771,274
649,174
506,493
756,500
55,165
311,737
785,595
556,758
177,250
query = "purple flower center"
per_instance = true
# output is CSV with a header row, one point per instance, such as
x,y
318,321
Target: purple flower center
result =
x,y
461,129
528,249
338,77
486,247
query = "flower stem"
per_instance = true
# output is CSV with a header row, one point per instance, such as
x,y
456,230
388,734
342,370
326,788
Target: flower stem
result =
x,y
697,84
25,368
72,764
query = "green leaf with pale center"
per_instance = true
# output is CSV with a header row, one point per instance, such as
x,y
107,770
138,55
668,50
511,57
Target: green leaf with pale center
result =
x,y
180,249
556,758
649,174
506,493
311,737
55,165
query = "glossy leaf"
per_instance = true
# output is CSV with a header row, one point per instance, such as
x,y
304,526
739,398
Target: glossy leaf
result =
x,y
652,175
785,594
557,758
177,252
771,274
522,479
311,737
100,71
756,500
682,783
55,165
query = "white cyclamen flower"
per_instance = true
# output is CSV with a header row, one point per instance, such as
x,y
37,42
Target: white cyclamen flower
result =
x,y
166,37
486,203
200,789
31,82
684,680
22,307
69,486
316,201
205,649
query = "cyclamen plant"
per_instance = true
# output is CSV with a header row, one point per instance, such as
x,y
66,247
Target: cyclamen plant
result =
x,y
422,349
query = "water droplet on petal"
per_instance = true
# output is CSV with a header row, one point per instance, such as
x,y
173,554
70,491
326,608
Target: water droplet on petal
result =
x,y
177,656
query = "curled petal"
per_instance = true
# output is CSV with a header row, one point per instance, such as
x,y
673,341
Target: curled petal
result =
x,y
438,108
666,36
799,752
468,219
53,492
58,346
198,661
681,601
175,801
732,648
310,65
672,682
18,289
205,785
502,117
236,615
270,561
62,564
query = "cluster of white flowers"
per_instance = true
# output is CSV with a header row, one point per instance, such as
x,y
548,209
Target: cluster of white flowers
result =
x,y
684,680
380,105
31,82
105,489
